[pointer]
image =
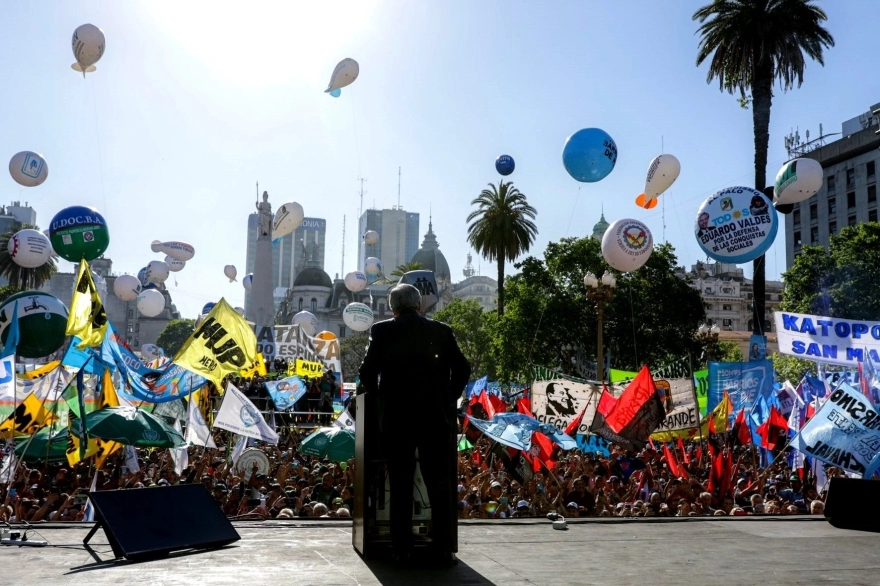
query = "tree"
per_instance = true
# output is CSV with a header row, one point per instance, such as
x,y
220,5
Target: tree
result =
x,y
19,277
791,368
174,335
652,318
7,291
501,228
843,281
474,330
752,45
401,270
353,348
729,352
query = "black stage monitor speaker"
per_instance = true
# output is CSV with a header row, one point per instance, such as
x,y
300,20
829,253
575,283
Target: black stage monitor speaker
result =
x,y
852,504
147,523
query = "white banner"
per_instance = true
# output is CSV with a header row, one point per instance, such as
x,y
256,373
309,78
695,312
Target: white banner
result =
x,y
827,339
7,380
237,414
559,401
345,421
678,400
290,343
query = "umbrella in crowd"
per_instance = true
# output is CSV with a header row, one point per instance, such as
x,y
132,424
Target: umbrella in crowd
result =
x,y
133,427
516,429
334,443
463,443
44,444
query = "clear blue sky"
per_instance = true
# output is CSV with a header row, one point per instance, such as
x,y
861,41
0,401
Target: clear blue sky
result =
x,y
192,103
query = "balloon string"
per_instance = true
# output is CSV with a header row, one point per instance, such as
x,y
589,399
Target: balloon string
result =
x,y
98,141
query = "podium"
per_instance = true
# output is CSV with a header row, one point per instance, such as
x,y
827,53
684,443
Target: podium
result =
x,y
371,534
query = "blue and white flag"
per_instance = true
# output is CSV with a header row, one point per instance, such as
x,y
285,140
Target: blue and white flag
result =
x,y
516,429
286,392
744,382
844,432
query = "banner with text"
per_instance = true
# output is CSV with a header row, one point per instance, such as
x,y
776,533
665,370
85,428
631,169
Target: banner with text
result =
x,y
827,339
744,382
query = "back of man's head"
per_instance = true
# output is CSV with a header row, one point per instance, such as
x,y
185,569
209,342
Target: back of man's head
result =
x,y
404,297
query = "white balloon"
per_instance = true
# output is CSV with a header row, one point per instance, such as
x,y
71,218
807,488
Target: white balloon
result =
x,y
288,218
627,245
127,287
28,168
797,180
358,316
29,248
355,281
157,271
240,311
662,173
307,321
177,250
345,73
150,352
371,237
230,272
174,265
150,303
248,281
142,276
88,47
373,266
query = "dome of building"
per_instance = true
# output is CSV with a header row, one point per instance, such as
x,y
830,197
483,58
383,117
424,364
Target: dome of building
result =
x,y
313,276
431,258
600,227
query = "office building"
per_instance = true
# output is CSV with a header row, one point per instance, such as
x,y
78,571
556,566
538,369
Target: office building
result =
x,y
14,214
849,190
398,237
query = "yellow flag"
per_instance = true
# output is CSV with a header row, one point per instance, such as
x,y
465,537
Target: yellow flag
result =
x,y
223,344
109,398
42,371
719,417
309,369
258,369
28,417
87,318
74,430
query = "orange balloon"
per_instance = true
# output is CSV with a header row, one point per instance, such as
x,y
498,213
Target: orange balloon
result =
x,y
325,335
640,201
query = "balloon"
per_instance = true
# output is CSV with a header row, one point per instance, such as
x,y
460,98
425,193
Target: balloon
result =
x,y
307,321
206,309
355,281
29,248
174,265
336,93
157,271
371,237
248,281
150,352
784,208
358,316
42,322
288,218
372,266
662,173
426,283
150,303
505,165
326,336
239,311
127,287
230,272
797,181
345,73
177,250
627,245
589,155
142,276
88,47
28,168
79,233
736,225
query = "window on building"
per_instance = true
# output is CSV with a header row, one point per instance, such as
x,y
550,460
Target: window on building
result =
x,y
768,297
814,235
832,205
137,342
708,306
832,228
726,307
130,329
870,168
300,305
814,212
797,242
314,305
381,308
830,188
341,331
850,178
852,220
872,194
707,289
872,215
727,323
850,200
137,327
130,314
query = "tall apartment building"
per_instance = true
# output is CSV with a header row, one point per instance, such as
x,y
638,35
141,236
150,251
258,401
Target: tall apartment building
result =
x,y
398,237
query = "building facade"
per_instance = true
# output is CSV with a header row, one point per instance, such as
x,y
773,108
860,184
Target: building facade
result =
x,y
483,290
849,190
13,214
398,237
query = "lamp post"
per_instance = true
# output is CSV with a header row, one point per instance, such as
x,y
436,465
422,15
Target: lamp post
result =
x,y
600,290
708,335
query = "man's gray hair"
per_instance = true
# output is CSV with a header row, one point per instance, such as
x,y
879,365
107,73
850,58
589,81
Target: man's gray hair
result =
x,y
404,297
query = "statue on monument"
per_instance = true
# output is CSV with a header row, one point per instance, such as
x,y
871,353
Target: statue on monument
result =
x,y
264,209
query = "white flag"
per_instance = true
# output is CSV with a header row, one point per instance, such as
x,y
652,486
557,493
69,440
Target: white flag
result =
x,y
131,459
179,455
7,469
45,388
239,415
7,379
345,421
90,508
197,431
237,451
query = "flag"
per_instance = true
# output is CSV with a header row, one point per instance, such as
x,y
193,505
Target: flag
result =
x,y
30,415
87,319
131,459
488,407
638,411
259,368
345,421
13,337
109,398
78,449
8,466
223,344
599,426
7,379
80,398
238,450
197,431
524,406
179,456
572,428
41,371
772,428
239,415
684,455
89,512
671,462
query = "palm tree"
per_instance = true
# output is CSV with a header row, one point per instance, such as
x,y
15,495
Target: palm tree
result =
x,y
502,228
19,277
401,270
754,44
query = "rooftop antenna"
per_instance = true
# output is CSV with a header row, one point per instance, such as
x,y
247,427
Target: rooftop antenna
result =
x,y
342,270
398,188
361,212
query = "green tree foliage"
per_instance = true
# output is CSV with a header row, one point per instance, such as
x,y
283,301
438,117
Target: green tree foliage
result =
x,y
501,228
174,335
475,330
7,291
789,368
401,270
652,318
19,277
729,352
843,281
353,348
750,45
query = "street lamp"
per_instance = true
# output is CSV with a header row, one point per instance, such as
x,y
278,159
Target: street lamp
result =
x,y
600,290
708,335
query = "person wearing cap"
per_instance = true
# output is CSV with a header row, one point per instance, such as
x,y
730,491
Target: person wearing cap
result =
x,y
795,494
414,364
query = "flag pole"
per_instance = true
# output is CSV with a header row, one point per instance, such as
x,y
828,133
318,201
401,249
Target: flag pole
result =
x,y
697,403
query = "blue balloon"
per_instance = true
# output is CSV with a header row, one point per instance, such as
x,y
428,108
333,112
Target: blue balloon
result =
x,y
207,308
589,155
142,276
505,165
336,93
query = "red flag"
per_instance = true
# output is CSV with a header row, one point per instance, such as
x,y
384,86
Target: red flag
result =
x,y
698,453
639,405
811,409
671,463
498,404
684,455
543,452
606,402
771,429
711,424
487,405
742,433
651,442
572,428
477,457
524,406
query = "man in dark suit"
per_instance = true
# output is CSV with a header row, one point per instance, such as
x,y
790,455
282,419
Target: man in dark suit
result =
x,y
417,372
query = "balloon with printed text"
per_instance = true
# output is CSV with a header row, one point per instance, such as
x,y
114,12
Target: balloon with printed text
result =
x,y
150,302
589,155
248,281
174,265
157,271
505,165
355,281
662,173
373,266
177,250
307,321
88,44
127,287
358,316
28,168
736,225
627,245
79,233
288,218
42,323
371,237
29,248
345,72
797,180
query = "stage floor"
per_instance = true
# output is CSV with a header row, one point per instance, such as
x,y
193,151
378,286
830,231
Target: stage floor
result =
x,y
791,550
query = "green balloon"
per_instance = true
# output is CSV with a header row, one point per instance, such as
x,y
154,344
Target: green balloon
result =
x,y
79,233
42,322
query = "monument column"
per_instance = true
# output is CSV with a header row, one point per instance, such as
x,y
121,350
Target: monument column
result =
x,y
261,310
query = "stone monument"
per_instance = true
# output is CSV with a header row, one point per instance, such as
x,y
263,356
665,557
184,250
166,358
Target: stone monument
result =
x,y
261,310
